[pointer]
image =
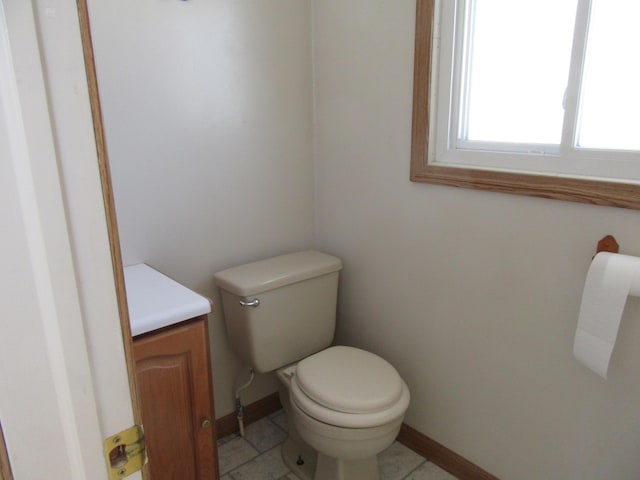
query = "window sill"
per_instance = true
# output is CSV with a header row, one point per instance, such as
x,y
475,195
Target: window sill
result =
x,y
595,192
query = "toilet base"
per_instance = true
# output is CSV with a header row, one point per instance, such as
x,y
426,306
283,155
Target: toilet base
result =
x,y
311,465
330,468
300,458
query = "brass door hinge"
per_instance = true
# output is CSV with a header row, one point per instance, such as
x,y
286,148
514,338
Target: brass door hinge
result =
x,y
125,452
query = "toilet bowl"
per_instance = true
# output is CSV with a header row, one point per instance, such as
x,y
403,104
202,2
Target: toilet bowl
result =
x,y
347,404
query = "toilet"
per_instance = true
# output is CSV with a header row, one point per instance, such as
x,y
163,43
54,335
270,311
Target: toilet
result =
x,y
343,405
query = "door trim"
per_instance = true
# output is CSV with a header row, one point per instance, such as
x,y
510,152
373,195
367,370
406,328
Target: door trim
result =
x,y
109,204
5,466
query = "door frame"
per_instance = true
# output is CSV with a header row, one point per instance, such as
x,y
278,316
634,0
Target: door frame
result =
x,y
5,466
109,203
66,347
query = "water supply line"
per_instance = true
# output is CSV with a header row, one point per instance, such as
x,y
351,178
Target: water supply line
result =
x,y
239,407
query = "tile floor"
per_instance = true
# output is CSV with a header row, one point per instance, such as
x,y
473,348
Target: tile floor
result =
x,y
257,456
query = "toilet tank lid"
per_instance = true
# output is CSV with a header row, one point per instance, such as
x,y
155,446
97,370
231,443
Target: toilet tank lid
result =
x,y
265,275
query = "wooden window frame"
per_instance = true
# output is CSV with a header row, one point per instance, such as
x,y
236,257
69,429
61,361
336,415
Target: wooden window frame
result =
x,y
597,192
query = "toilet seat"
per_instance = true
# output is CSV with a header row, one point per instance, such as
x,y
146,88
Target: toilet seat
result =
x,y
349,387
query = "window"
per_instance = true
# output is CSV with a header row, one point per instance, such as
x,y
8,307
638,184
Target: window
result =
x,y
538,98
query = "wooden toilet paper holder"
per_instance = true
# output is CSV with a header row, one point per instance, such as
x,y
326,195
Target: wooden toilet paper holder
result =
x,y
608,244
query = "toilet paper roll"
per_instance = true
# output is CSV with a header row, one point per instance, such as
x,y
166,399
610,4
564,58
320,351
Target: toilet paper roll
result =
x,y
610,280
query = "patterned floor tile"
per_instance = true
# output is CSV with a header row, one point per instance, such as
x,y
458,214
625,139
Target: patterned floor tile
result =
x,y
430,471
264,435
280,419
398,461
257,456
268,466
234,453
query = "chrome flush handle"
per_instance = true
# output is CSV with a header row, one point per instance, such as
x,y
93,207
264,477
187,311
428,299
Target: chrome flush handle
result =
x,y
250,303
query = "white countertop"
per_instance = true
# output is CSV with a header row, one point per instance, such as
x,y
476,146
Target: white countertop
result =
x,y
156,301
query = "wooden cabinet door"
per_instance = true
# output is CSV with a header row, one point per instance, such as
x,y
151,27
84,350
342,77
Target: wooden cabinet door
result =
x,y
174,385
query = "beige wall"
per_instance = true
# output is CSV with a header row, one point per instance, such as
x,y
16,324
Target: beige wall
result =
x,y
473,296
207,107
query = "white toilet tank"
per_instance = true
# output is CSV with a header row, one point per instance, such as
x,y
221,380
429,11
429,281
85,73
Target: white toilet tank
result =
x,y
281,309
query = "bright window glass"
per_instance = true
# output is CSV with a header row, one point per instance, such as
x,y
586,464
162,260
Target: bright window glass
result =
x,y
515,70
610,93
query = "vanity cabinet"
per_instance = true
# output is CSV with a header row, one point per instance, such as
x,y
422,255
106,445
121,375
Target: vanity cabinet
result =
x,y
174,387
